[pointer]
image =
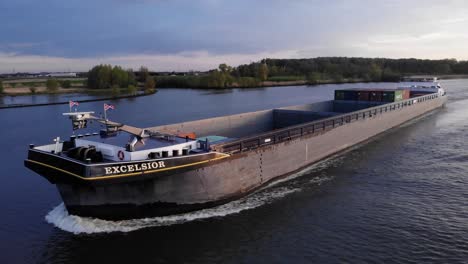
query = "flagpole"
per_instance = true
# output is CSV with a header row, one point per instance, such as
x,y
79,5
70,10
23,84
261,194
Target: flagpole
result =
x,y
105,117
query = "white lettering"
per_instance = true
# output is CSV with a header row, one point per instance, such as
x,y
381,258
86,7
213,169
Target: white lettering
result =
x,y
134,167
137,167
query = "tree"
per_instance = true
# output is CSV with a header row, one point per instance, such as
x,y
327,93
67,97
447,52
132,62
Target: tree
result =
x,y
100,77
115,90
313,78
443,68
262,72
119,77
388,75
150,84
52,85
65,84
216,79
131,77
224,68
337,78
273,70
143,74
131,89
375,73
1,87
106,76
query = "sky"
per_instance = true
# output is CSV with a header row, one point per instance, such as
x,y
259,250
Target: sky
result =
x,y
182,35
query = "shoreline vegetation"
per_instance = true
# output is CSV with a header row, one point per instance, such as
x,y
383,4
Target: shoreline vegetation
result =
x,y
115,81
67,102
322,70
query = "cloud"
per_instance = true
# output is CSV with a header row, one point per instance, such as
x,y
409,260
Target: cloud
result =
x,y
83,32
185,61
454,20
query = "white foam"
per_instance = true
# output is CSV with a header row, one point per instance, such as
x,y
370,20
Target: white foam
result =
x,y
60,218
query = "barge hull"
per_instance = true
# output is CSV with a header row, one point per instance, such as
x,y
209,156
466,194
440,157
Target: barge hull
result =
x,y
228,179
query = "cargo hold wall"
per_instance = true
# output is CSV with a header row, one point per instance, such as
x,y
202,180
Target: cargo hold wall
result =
x,y
284,118
334,106
235,126
341,106
247,124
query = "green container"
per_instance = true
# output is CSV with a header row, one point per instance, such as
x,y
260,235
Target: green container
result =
x,y
392,96
339,95
347,95
398,95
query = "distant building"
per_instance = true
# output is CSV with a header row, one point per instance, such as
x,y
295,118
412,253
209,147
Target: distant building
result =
x,y
62,74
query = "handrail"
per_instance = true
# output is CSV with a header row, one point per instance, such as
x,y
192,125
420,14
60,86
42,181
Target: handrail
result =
x,y
288,133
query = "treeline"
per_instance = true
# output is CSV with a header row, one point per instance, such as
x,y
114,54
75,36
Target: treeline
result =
x,y
106,76
315,71
217,78
340,68
286,71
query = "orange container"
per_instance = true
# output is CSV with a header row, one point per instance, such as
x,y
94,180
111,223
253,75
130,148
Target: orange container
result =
x,y
190,135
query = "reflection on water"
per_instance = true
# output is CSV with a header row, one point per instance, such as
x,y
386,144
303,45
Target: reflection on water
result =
x,y
216,91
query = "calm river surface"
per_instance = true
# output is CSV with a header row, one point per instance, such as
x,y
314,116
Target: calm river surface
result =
x,y
402,198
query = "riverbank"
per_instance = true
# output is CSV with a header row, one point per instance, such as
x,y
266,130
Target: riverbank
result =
x,y
269,83
344,81
79,101
305,82
196,82
41,90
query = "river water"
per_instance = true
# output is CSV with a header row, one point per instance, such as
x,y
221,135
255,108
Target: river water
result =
x,y
402,198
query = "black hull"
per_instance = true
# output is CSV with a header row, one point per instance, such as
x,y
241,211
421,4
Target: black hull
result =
x,y
130,211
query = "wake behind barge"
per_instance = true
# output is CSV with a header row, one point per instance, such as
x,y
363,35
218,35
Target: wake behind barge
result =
x,y
129,172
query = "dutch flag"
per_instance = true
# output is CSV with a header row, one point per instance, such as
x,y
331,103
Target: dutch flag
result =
x,y
108,106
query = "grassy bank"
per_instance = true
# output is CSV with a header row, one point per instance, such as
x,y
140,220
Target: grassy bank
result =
x,y
204,82
63,86
208,81
80,101
43,90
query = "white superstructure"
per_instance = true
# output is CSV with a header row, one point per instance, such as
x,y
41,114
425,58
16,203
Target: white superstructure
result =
x,y
422,84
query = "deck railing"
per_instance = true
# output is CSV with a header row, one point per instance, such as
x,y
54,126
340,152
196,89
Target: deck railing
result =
x,y
288,133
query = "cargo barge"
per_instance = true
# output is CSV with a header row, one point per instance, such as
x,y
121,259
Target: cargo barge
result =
x,y
127,172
